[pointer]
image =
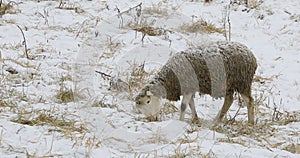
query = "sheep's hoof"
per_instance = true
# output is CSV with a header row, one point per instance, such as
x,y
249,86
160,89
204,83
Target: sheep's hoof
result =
x,y
250,123
196,121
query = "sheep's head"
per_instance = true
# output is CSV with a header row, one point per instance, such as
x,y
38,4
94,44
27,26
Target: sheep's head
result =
x,y
148,103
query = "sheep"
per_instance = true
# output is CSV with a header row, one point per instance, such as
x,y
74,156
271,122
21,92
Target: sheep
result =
x,y
218,69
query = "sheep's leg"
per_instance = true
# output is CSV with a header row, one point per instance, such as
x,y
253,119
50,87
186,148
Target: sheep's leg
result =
x,y
227,103
193,109
249,101
185,101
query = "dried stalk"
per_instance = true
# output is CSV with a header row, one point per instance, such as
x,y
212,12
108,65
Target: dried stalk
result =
x,y
226,21
103,75
24,42
137,7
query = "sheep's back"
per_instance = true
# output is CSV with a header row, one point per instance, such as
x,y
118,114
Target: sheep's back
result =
x,y
223,67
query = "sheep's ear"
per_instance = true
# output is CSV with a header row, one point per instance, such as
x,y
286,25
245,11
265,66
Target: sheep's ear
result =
x,y
149,93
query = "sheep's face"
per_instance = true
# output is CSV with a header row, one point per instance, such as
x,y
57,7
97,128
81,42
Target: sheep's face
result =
x,y
148,104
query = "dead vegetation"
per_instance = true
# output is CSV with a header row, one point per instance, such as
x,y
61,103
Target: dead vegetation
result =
x,y
7,8
293,148
150,31
112,46
70,6
136,79
201,26
46,118
103,104
65,94
156,10
271,120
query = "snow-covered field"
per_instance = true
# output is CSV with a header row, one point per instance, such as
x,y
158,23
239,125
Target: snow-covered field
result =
x,y
69,92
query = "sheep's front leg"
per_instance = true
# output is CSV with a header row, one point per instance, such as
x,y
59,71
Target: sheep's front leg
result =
x,y
193,109
185,101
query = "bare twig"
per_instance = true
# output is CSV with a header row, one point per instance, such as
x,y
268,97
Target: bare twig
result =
x,y
24,42
287,12
103,75
229,23
119,16
12,2
128,10
60,4
81,28
226,21
137,7
233,118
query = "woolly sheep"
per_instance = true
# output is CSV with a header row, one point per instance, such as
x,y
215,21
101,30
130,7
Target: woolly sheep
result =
x,y
218,69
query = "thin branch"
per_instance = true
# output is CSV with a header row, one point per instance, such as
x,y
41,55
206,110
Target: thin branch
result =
x,y
126,11
81,28
60,4
226,21
103,75
24,42
12,2
229,22
139,7
233,118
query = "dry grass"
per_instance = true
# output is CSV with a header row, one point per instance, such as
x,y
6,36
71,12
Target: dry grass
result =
x,y
261,79
111,47
70,6
169,108
101,103
270,120
65,95
46,118
253,4
138,77
7,8
293,148
201,26
147,28
156,10
150,31
3,103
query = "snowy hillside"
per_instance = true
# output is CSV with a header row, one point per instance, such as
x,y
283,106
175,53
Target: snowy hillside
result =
x,y
69,70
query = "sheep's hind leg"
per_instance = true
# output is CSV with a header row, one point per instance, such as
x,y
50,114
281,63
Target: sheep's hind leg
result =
x,y
249,101
185,100
193,109
227,103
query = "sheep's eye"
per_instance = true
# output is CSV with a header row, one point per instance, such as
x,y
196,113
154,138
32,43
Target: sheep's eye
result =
x,y
148,101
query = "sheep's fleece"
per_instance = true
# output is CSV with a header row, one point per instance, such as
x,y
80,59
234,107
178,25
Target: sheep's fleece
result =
x,y
214,69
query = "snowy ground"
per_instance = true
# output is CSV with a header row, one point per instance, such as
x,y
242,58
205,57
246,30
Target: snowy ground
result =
x,y
55,104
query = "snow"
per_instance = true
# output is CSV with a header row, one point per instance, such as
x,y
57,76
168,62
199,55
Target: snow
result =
x,y
68,45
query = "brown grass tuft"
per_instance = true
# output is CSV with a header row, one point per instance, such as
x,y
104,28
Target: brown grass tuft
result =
x,y
46,119
5,8
293,148
201,26
65,95
138,77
